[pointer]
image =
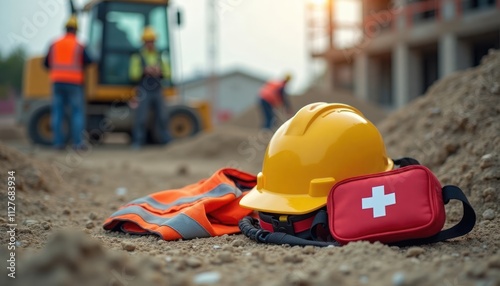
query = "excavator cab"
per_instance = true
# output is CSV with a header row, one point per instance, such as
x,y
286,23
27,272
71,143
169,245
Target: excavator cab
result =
x,y
115,33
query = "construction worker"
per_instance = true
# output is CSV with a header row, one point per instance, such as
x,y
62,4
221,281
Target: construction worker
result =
x,y
65,61
147,68
272,96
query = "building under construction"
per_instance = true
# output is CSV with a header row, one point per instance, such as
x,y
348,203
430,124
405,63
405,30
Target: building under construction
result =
x,y
401,48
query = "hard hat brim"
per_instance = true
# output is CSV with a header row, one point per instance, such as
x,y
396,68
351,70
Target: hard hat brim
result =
x,y
265,201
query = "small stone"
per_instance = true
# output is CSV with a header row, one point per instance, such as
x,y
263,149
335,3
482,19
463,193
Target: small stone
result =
x,y
29,222
238,243
292,258
309,249
414,251
489,194
92,216
182,170
345,269
89,225
491,174
487,161
227,247
398,279
489,214
495,89
193,262
211,277
216,247
46,225
297,278
94,180
128,246
446,257
121,191
494,262
66,212
435,111
225,256
477,270
451,148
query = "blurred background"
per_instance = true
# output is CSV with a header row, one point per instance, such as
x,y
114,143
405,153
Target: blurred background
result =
x,y
385,53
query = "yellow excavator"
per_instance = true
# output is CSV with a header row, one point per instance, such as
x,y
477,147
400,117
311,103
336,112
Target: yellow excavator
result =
x,y
114,35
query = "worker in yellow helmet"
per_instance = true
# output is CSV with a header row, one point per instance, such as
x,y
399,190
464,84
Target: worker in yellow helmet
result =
x,y
148,69
272,96
65,61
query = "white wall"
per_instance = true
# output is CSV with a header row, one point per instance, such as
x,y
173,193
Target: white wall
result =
x,y
236,92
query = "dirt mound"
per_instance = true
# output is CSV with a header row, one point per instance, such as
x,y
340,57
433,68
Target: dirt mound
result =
x,y
30,174
252,118
240,147
454,130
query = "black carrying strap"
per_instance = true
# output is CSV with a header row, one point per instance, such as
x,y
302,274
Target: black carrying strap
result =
x,y
249,227
405,161
463,227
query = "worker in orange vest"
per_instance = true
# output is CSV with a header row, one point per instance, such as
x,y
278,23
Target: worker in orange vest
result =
x,y
272,96
65,61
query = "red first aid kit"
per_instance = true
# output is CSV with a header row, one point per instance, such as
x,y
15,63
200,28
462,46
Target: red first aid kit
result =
x,y
405,205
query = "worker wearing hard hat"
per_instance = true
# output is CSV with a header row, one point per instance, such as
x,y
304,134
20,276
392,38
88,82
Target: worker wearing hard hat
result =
x,y
148,69
273,96
65,61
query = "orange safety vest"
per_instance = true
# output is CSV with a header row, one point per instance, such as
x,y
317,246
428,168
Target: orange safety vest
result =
x,y
66,60
207,208
270,92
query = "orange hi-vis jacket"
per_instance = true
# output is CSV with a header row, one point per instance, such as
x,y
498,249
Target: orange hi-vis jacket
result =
x,y
207,208
270,92
66,60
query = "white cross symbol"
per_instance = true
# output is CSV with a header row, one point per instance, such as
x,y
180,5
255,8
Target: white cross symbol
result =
x,y
378,201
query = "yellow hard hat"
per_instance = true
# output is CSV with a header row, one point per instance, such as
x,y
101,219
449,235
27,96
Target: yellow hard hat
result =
x,y
72,22
321,145
148,34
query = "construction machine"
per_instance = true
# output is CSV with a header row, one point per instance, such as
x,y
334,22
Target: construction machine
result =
x,y
114,35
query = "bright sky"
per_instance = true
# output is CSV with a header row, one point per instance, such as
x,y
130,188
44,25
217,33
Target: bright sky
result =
x,y
264,37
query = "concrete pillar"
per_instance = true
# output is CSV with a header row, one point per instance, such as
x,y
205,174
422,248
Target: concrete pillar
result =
x,y
415,73
400,74
361,76
447,54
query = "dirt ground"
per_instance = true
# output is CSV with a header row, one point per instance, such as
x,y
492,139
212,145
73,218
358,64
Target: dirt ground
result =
x,y
62,198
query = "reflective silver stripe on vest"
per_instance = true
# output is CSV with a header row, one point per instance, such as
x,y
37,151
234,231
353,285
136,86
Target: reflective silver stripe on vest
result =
x,y
75,65
187,227
219,191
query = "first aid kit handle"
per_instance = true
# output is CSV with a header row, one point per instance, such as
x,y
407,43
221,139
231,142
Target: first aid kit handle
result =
x,y
463,227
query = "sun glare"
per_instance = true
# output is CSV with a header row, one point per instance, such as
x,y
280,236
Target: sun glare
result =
x,y
318,2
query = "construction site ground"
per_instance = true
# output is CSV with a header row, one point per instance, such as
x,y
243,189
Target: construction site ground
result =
x,y
62,199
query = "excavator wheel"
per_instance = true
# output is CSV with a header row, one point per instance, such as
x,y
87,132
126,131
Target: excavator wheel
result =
x,y
182,122
40,127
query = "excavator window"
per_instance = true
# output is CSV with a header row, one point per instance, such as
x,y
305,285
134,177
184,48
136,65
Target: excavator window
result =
x,y
115,34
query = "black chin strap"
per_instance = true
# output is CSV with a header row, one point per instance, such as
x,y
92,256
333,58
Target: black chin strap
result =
x,y
405,161
249,226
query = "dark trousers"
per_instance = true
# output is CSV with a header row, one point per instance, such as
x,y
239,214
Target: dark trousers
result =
x,y
150,98
68,95
267,112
